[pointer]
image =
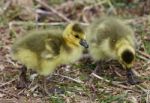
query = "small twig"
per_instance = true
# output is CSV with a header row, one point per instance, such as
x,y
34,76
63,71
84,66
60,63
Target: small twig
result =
x,y
9,82
10,94
146,64
18,23
33,88
111,6
34,24
147,38
117,73
143,89
95,75
143,18
72,79
142,58
53,10
113,82
43,12
22,91
144,54
136,73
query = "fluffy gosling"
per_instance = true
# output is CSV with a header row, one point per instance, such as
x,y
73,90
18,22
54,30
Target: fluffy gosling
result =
x,y
110,38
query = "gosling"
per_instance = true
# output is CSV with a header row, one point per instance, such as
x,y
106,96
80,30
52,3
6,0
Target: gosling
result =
x,y
110,38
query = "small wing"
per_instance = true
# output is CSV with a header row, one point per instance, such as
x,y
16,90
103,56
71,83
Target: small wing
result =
x,y
52,49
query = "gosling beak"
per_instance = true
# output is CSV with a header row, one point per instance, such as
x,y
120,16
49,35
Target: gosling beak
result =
x,y
84,43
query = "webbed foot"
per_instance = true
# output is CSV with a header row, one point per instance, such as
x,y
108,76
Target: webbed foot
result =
x,y
132,78
22,82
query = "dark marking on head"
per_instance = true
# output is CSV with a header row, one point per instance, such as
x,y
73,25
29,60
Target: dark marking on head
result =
x,y
127,56
77,28
77,36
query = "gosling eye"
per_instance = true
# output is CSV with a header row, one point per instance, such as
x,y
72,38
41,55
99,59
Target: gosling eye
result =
x,y
77,36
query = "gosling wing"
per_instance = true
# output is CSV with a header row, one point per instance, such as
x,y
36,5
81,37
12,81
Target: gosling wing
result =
x,y
52,48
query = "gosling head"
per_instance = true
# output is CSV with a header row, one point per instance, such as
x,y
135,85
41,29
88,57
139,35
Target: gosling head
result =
x,y
126,55
74,35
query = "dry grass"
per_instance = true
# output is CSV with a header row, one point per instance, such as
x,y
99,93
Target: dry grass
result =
x,y
75,83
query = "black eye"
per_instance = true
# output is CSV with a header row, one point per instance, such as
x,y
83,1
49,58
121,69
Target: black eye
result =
x,y
77,36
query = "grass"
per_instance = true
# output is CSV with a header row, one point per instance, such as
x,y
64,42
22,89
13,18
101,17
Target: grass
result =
x,y
115,98
56,99
147,46
63,90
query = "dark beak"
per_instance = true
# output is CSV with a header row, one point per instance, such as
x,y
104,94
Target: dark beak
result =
x,y
84,43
